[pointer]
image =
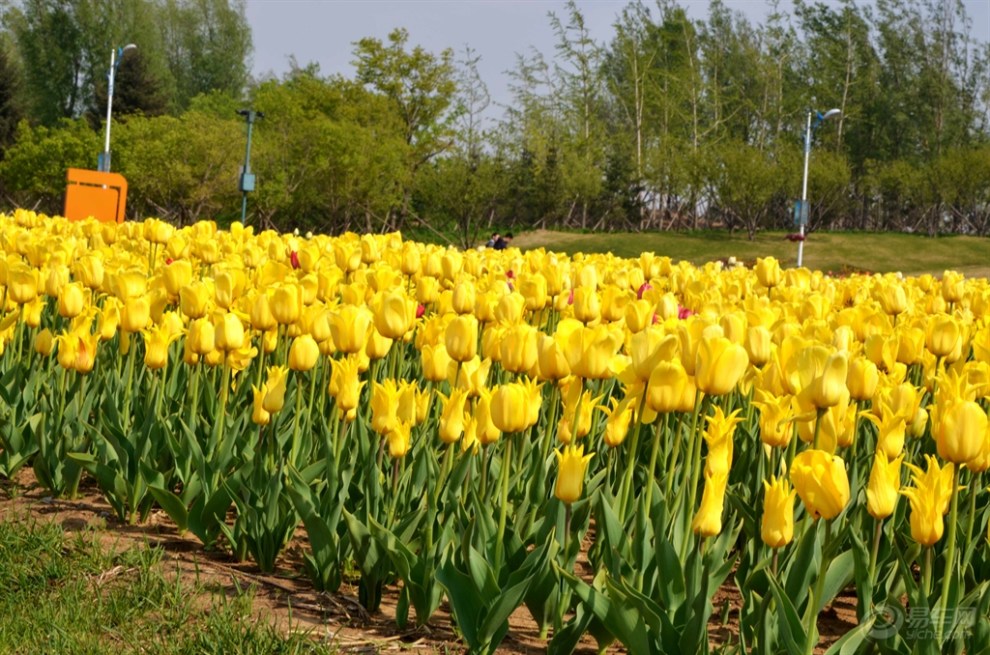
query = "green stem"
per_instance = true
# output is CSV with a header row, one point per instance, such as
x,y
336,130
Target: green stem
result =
x,y
652,471
950,555
672,468
926,573
818,425
974,488
695,460
194,397
874,553
294,447
811,630
224,389
625,490
500,535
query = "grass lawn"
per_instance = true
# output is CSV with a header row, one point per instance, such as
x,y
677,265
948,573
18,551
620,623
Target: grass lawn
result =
x,y
67,593
835,251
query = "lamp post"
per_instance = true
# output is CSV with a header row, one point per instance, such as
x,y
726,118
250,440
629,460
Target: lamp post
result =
x,y
804,211
116,54
247,177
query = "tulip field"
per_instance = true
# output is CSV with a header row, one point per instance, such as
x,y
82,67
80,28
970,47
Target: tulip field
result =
x,y
601,443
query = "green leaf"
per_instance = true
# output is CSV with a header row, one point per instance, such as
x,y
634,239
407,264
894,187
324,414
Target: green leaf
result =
x,y
792,630
172,506
849,643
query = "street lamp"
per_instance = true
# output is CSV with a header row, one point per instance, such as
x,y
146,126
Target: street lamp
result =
x,y
247,177
804,210
116,54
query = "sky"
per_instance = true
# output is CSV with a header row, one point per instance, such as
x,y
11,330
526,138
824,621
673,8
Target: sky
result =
x,y
324,31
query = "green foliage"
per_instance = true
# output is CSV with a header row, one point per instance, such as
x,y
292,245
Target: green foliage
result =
x,y
36,163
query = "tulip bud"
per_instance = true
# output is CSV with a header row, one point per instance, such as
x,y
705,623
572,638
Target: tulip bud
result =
x,y
883,486
572,465
303,353
821,482
777,525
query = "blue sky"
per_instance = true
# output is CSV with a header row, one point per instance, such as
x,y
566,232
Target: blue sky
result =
x,y
324,31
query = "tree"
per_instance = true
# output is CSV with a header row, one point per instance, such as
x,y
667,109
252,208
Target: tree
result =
x,y
34,167
420,87
207,46
50,43
11,89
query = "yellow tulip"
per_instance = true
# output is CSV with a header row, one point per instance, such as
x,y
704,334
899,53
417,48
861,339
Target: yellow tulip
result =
x,y
156,343
893,298
461,338
862,379
943,335
346,383
827,389
572,465
136,314
194,300
399,439
776,414
649,348
262,318
821,482
177,275
720,365
410,261
303,353
350,327
464,297
229,332
436,363
287,303
639,315
891,432
587,305
510,408
533,288
930,497
259,415
708,520
519,348
44,343
473,375
552,363
384,406
777,524
953,286
509,309
589,351
274,399
453,415
394,313
229,285
758,344
718,436
884,485
485,429
768,272
427,290
71,300
620,415
89,270
22,284
960,431
667,386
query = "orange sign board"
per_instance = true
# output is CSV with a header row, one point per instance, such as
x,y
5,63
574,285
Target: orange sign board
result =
x,y
95,194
